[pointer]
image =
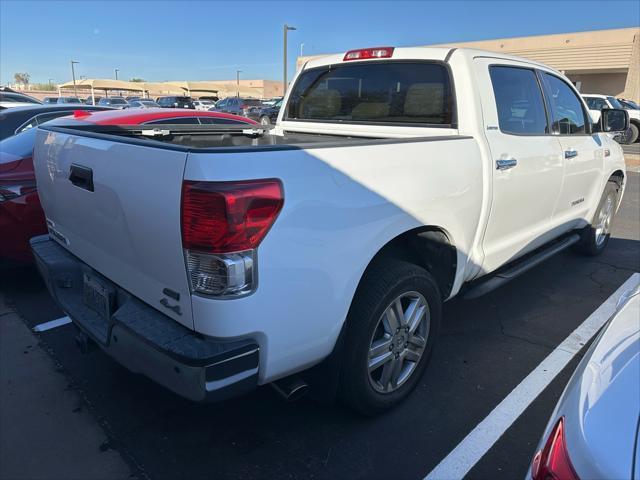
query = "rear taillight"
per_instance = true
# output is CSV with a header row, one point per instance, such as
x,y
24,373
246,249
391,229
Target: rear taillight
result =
x,y
222,225
553,462
369,53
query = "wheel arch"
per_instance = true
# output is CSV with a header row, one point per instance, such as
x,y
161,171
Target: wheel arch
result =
x,y
429,247
618,177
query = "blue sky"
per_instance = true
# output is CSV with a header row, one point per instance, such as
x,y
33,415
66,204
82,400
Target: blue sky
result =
x,y
176,40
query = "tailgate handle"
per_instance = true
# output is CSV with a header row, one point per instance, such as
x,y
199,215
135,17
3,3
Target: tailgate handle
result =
x,y
81,176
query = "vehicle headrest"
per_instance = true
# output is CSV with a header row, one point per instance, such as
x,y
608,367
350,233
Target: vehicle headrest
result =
x,y
322,104
424,100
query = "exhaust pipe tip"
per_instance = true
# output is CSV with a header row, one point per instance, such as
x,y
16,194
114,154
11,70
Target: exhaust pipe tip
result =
x,y
291,388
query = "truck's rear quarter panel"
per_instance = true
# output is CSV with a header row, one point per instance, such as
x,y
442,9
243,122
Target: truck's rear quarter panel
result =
x,y
341,206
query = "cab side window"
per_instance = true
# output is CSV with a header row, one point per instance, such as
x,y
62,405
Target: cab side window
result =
x,y
518,100
567,114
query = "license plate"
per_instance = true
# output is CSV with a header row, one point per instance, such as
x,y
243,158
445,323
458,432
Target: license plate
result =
x,y
97,296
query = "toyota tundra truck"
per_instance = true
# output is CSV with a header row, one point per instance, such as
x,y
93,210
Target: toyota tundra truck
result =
x,y
318,252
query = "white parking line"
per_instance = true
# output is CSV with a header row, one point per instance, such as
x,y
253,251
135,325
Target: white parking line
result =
x,y
478,442
52,324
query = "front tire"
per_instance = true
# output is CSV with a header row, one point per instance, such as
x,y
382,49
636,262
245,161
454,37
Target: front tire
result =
x,y
595,237
392,326
632,134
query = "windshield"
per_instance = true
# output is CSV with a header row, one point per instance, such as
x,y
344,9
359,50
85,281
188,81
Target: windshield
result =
x,y
614,102
393,92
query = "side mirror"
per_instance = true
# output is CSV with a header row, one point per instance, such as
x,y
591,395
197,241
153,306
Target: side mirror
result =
x,y
614,120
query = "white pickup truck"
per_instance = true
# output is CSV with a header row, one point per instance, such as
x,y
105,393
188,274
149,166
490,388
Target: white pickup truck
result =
x,y
217,258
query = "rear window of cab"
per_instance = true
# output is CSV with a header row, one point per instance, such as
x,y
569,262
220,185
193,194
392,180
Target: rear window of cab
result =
x,y
387,92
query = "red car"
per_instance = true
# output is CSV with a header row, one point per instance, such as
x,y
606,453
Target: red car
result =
x,y
21,216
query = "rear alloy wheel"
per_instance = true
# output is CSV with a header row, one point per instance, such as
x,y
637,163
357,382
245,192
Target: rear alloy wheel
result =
x,y
398,342
391,328
265,120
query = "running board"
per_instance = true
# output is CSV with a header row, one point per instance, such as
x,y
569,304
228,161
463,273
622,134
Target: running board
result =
x,y
499,279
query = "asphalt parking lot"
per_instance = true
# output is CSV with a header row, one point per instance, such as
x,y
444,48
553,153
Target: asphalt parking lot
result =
x,y
487,346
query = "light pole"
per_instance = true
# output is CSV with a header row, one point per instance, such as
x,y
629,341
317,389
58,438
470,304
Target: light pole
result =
x,y
73,75
284,80
302,49
238,72
117,70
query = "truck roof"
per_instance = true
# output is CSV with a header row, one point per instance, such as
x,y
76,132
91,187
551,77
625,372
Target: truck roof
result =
x,y
425,53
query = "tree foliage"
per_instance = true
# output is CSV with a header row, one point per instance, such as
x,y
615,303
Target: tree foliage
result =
x,y
137,80
22,78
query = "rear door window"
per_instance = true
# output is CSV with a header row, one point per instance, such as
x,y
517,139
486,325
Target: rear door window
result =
x,y
518,100
175,121
219,121
389,92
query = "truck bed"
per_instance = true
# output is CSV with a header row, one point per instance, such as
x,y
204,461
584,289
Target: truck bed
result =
x,y
220,137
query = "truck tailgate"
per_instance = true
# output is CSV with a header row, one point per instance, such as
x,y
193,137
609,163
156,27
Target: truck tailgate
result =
x,y
116,206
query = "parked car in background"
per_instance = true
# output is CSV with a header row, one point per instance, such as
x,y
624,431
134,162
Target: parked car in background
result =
x,y
211,98
176,102
14,99
20,210
597,102
49,100
114,102
268,114
630,104
269,102
16,120
594,431
204,104
143,103
238,106
92,101
69,100
255,254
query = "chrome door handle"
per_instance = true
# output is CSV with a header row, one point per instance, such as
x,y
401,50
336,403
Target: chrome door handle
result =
x,y
506,164
570,153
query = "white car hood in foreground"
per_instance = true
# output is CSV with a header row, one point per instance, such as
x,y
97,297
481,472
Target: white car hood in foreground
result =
x,y
602,402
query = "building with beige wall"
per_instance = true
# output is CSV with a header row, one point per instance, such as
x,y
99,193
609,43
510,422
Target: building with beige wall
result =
x,y
196,89
600,61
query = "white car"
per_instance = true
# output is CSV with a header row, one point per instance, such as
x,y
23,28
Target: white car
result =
x,y
143,103
594,431
204,104
596,103
395,179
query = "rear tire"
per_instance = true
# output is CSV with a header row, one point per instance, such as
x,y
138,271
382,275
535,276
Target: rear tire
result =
x,y
595,237
392,326
264,120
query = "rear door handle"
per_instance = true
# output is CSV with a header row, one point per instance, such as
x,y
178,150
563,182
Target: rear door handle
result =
x,y
506,164
571,153
81,176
